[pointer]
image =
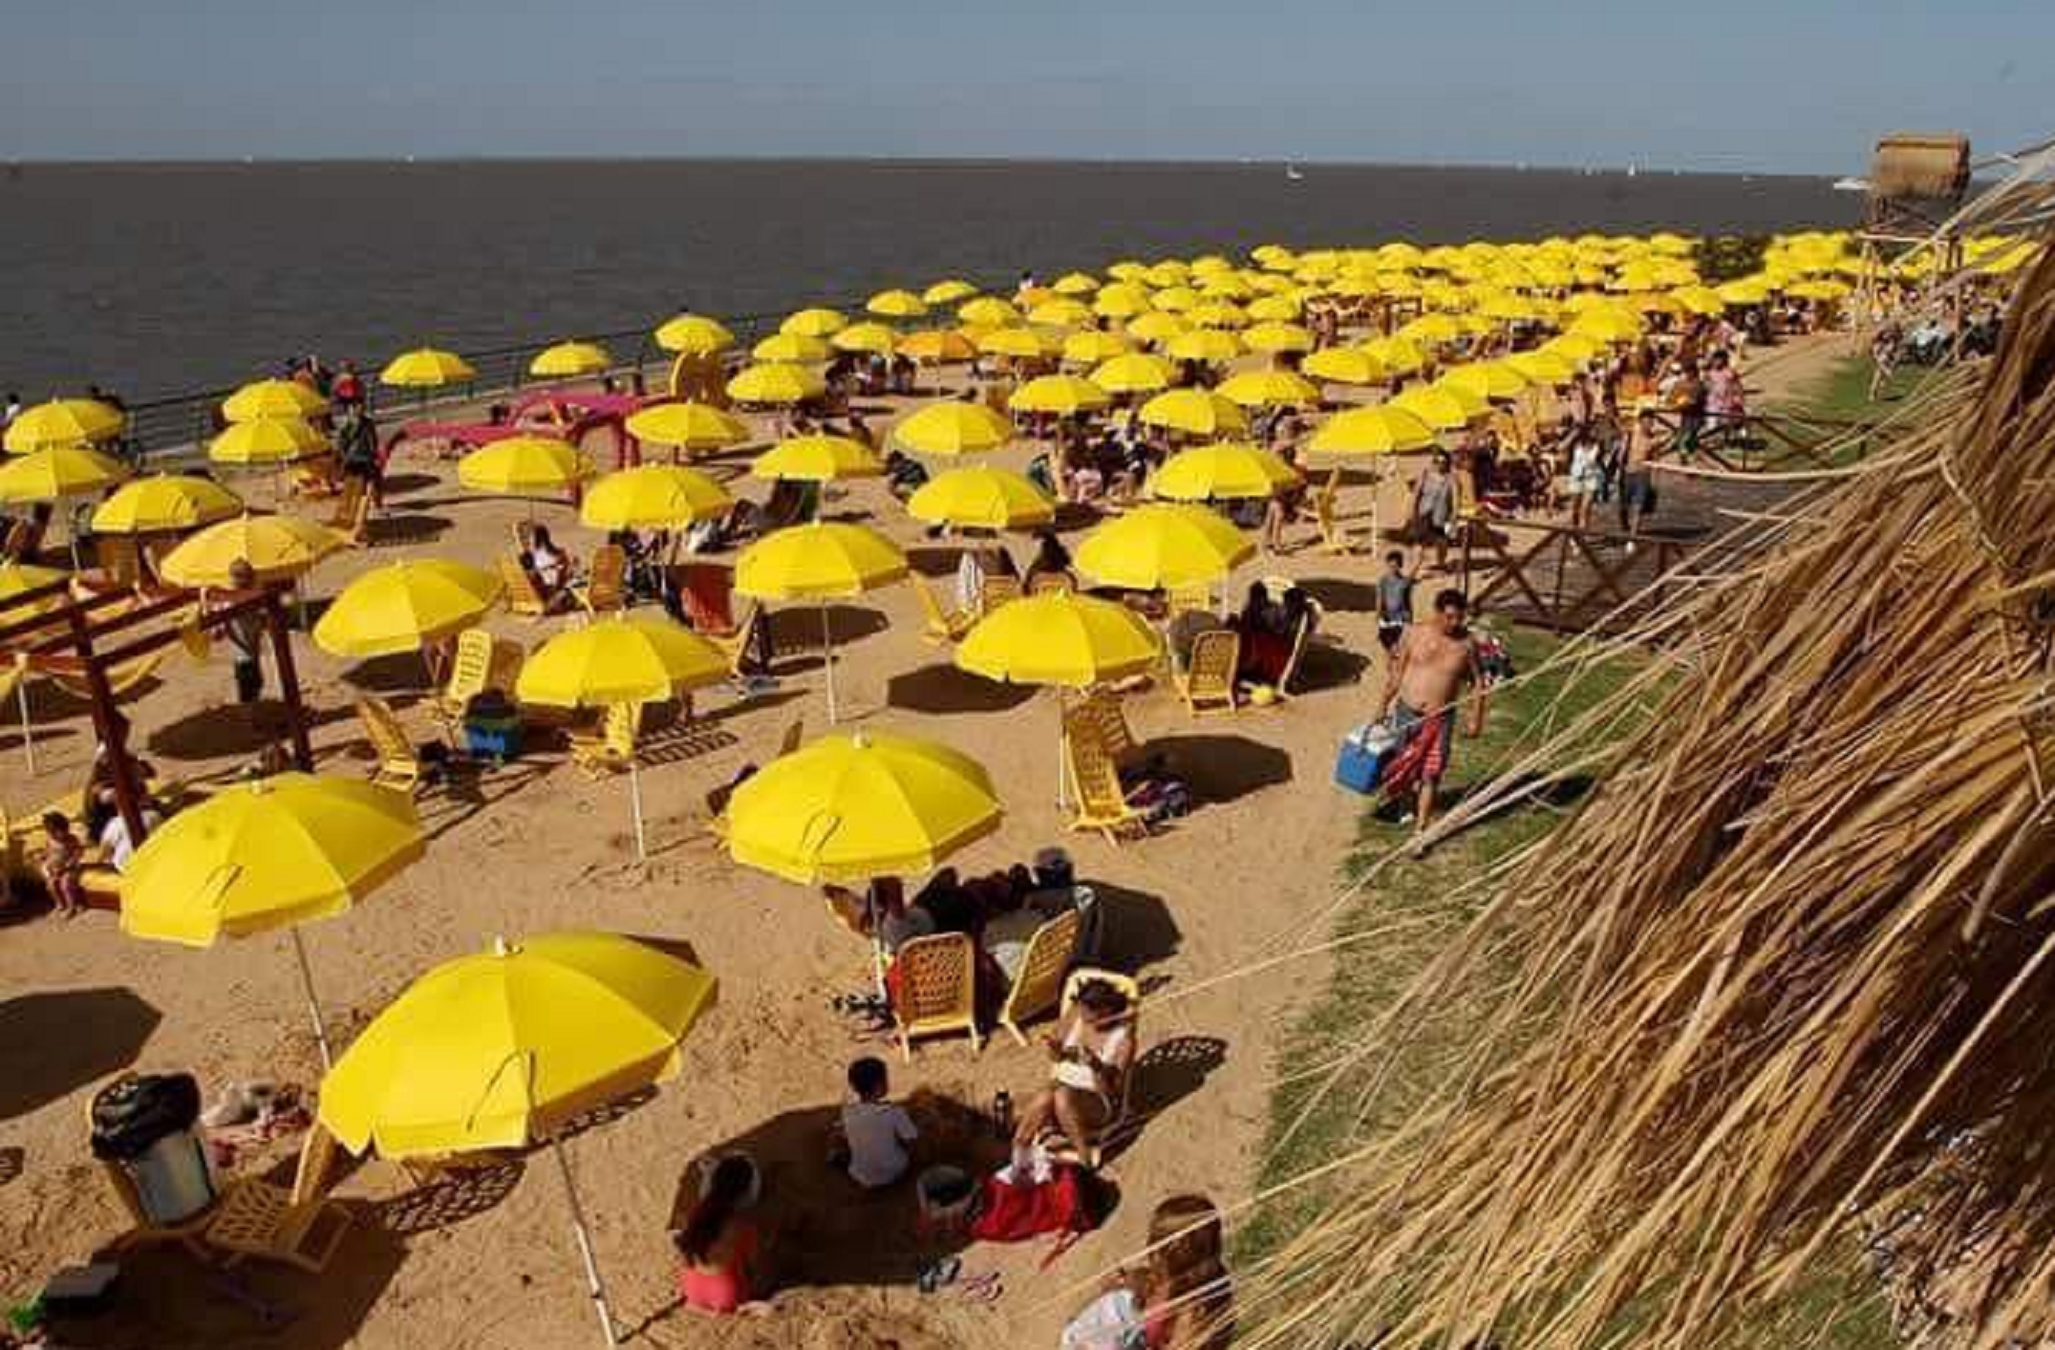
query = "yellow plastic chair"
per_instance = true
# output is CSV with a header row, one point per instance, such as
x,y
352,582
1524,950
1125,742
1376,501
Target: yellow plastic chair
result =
x,y
1102,803
1039,983
995,591
1334,536
470,674
941,627
937,990
735,645
1118,1123
1197,599
1207,682
257,1220
1051,583
606,586
612,749
523,597
397,764
1100,716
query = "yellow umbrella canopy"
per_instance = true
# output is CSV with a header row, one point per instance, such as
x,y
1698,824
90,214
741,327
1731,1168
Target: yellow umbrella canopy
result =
x,y
165,502
427,368
399,607
1217,314
1345,365
948,292
817,323
524,466
621,659
1276,337
1383,430
689,426
1163,545
1122,301
1442,407
818,561
272,398
694,335
653,497
1195,412
1608,325
57,472
268,441
778,382
849,807
1020,342
938,346
983,498
1226,470
505,1048
817,459
866,337
1133,373
275,547
1060,394
1543,367
1075,283
568,360
988,312
1212,346
63,422
896,305
795,347
1400,356
1061,639
1260,388
1488,379
953,428
1062,313
1094,346
1156,327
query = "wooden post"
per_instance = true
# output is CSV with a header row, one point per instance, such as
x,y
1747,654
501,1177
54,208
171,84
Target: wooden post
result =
x,y
107,725
288,680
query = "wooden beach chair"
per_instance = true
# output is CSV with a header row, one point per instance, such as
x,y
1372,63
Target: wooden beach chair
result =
x,y
1102,803
1120,1123
995,591
396,764
1039,983
611,749
523,597
937,993
1101,717
1335,537
940,627
1207,682
606,586
470,675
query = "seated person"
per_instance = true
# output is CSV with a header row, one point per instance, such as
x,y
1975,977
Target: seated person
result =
x,y
881,913
114,836
1093,1051
64,858
721,1256
1184,630
875,1130
1051,559
1269,626
548,564
904,474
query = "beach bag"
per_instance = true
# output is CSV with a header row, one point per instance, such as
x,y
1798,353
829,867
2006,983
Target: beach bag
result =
x,y
1360,763
1112,1321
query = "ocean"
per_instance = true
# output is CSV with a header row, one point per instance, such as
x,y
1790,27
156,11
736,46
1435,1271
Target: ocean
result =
x,y
159,279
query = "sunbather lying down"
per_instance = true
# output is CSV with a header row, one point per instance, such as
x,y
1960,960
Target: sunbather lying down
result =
x,y
1092,1053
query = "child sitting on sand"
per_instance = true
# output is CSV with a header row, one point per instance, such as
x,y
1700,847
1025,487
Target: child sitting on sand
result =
x,y
877,1131
64,857
721,1249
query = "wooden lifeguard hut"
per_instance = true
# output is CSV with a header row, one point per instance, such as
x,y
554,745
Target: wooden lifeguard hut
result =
x,y
1917,184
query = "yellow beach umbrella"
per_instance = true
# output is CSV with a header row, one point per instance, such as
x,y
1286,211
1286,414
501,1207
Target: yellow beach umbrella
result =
x,y
1217,314
63,422
1195,412
1819,289
1264,388
401,606
1345,365
1434,329
277,548
988,312
1176,299
1274,337
163,503
57,472
1488,379
1062,395
1133,373
1156,327
938,346
982,498
852,806
653,497
1442,407
777,383
1212,346
506,1049
694,335
1094,346
19,578
1578,348
268,442
273,398
276,853
524,466
1075,283
1400,356
688,426
1062,312
953,428
1543,367
819,561
1025,343
1382,430
569,360
950,292
1225,470
1608,324
818,323
875,338
1163,545
817,459
896,305
1122,301
795,347
1276,308
427,368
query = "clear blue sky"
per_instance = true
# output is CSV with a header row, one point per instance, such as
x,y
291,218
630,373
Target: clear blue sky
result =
x,y
1801,85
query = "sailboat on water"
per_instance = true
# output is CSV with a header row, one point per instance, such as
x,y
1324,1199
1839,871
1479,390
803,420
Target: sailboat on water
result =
x,y
1292,174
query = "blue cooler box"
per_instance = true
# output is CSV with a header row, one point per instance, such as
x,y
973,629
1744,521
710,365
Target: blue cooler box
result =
x,y
496,738
1360,763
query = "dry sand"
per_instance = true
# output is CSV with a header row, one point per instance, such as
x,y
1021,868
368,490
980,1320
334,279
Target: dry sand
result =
x,y
538,846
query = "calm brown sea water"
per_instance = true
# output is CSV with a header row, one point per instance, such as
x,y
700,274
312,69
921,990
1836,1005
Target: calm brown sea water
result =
x,y
155,279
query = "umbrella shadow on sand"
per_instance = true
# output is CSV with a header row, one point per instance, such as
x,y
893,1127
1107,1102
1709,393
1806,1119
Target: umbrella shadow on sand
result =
x,y
232,729
942,688
56,1042
1222,768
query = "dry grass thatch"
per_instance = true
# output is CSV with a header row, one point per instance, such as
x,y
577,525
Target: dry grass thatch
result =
x,y
1787,977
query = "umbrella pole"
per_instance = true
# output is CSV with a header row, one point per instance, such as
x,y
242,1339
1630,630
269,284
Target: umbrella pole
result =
x,y
1062,768
635,803
828,659
313,1003
1376,504
28,734
593,1285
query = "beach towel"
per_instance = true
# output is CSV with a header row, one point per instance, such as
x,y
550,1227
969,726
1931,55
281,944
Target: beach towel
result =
x,y
1423,756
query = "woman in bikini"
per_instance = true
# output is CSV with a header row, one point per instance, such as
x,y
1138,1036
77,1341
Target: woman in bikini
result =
x,y
1094,1051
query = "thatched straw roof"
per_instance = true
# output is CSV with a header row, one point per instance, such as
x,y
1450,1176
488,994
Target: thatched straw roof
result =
x,y
1920,168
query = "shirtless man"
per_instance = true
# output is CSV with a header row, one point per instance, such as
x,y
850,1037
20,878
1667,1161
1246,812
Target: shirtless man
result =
x,y
1636,489
1432,663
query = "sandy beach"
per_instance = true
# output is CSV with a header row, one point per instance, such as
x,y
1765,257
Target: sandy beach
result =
x,y
489,1260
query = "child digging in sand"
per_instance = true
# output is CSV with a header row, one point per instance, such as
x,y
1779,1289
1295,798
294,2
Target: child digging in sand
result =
x,y
876,1131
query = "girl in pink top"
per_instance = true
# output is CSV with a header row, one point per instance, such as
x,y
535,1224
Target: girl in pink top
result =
x,y
720,1253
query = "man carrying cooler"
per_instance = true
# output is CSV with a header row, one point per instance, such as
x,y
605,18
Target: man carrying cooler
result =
x,y
1433,661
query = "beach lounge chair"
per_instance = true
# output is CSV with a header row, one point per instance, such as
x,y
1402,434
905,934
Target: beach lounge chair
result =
x,y
1196,599
470,675
258,1220
19,542
1335,537
606,586
352,515
995,591
1290,673
397,764
121,561
611,749
738,643
1121,1122
523,596
1207,682
1040,981
317,478
1100,717
1102,803
940,627
937,990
